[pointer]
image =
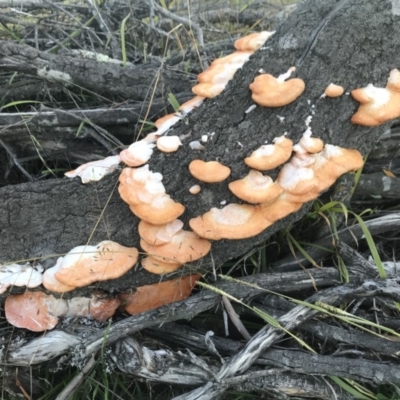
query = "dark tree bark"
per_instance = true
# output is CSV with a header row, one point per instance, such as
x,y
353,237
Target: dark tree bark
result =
x,y
349,43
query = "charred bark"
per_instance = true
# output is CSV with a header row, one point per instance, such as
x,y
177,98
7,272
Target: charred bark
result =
x,y
328,41
335,42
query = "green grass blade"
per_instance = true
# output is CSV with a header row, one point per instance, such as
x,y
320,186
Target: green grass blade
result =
x,y
173,101
123,46
372,246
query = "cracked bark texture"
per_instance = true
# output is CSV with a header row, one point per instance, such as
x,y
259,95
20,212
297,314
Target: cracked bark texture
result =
x,y
351,43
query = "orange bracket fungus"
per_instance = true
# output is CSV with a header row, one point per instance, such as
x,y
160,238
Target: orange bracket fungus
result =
x,y
195,189
269,91
333,90
157,235
51,283
149,297
214,79
210,172
84,265
271,156
168,144
137,153
184,247
95,170
378,105
234,221
146,197
163,124
20,275
158,267
168,246
211,83
39,312
253,41
255,188
191,104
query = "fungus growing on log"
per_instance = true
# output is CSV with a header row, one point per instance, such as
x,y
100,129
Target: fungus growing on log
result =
x,y
333,90
168,144
33,310
158,267
51,283
195,189
308,144
164,123
159,234
137,153
271,156
95,170
333,162
210,172
378,105
269,91
184,247
191,104
255,188
234,221
20,275
146,197
253,41
149,297
39,312
84,265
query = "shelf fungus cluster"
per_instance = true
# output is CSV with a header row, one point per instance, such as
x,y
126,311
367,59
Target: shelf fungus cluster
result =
x,y
307,169
168,246
378,105
211,83
39,312
80,267
84,265
215,78
312,169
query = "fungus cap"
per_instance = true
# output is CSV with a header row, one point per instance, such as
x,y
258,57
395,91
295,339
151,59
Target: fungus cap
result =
x,y
269,91
308,144
238,57
84,265
159,234
158,267
191,104
184,247
255,188
164,123
140,185
378,105
333,90
149,297
95,170
234,221
137,153
33,311
219,74
102,306
168,144
195,189
161,210
295,179
271,156
253,41
51,283
20,275
208,90
279,208
210,172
